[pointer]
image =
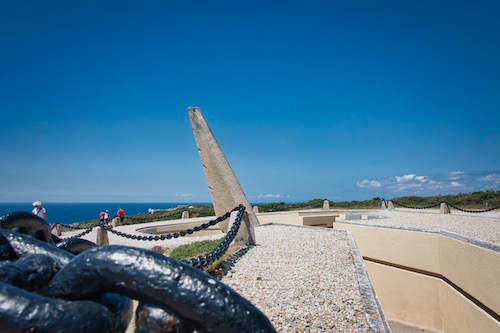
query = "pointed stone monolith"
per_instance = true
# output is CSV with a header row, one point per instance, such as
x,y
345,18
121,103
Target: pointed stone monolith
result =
x,y
185,214
224,187
383,204
326,204
256,209
390,205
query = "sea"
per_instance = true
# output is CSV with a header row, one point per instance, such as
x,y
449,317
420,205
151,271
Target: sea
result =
x,y
78,212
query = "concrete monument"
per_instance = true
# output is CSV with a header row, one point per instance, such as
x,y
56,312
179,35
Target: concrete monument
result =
x,y
326,204
444,208
185,214
383,205
224,188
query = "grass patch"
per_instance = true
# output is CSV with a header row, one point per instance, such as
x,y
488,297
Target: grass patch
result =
x,y
194,249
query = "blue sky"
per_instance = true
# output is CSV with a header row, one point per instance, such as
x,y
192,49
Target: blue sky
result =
x,y
307,99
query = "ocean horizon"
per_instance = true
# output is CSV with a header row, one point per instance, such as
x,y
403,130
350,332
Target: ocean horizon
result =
x,y
72,212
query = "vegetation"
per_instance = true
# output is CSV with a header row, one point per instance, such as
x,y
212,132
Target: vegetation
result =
x,y
474,200
163,215
318,203
194,249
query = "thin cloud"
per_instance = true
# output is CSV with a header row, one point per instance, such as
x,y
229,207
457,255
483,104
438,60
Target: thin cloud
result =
x,y
494,177
446,182
405,178
454,175
366,183
272,196
421,179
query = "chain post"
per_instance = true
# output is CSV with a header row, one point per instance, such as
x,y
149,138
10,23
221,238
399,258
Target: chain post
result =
x,y
102,236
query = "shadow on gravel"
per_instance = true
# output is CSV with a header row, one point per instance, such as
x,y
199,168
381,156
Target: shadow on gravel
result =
x,y
227,264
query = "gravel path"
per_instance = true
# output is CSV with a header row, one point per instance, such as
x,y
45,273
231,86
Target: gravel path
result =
x,y
483,227
303,279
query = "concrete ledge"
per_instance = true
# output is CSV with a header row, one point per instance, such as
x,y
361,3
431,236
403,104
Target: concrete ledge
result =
x,y
373,311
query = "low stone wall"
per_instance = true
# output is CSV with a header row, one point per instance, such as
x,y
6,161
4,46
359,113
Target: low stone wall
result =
x,y
324,218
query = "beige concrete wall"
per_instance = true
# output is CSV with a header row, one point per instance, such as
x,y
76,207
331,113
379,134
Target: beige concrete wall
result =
x,y
408,248
426,302
461,315
472,268
407,297
326,221
286,218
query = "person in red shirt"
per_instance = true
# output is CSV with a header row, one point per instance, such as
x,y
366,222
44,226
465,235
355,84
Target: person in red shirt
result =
x,y
121,214
102,215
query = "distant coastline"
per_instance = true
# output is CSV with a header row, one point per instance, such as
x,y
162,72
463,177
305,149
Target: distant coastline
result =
x,y
79,212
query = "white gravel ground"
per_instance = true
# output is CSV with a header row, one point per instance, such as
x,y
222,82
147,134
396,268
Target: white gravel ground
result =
x,y
303,279
483,227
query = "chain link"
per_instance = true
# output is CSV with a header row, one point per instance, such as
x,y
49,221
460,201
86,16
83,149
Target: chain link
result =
x,y
200,261
177,234
473,210
219,250
71,227
83,233
413,207
449,204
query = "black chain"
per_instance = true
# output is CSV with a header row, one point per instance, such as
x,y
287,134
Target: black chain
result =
x,y
449,204
174,234
220,249
69,226
413,207
83,233
473,210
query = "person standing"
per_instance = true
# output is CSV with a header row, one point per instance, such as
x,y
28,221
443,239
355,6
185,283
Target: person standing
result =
x,y
121,214
101,216
39,210
106,216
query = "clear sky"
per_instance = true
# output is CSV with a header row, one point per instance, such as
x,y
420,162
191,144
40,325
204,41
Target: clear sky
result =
x,y
307,99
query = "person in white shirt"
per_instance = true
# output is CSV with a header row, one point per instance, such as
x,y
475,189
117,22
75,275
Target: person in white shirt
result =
x,y
39,210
